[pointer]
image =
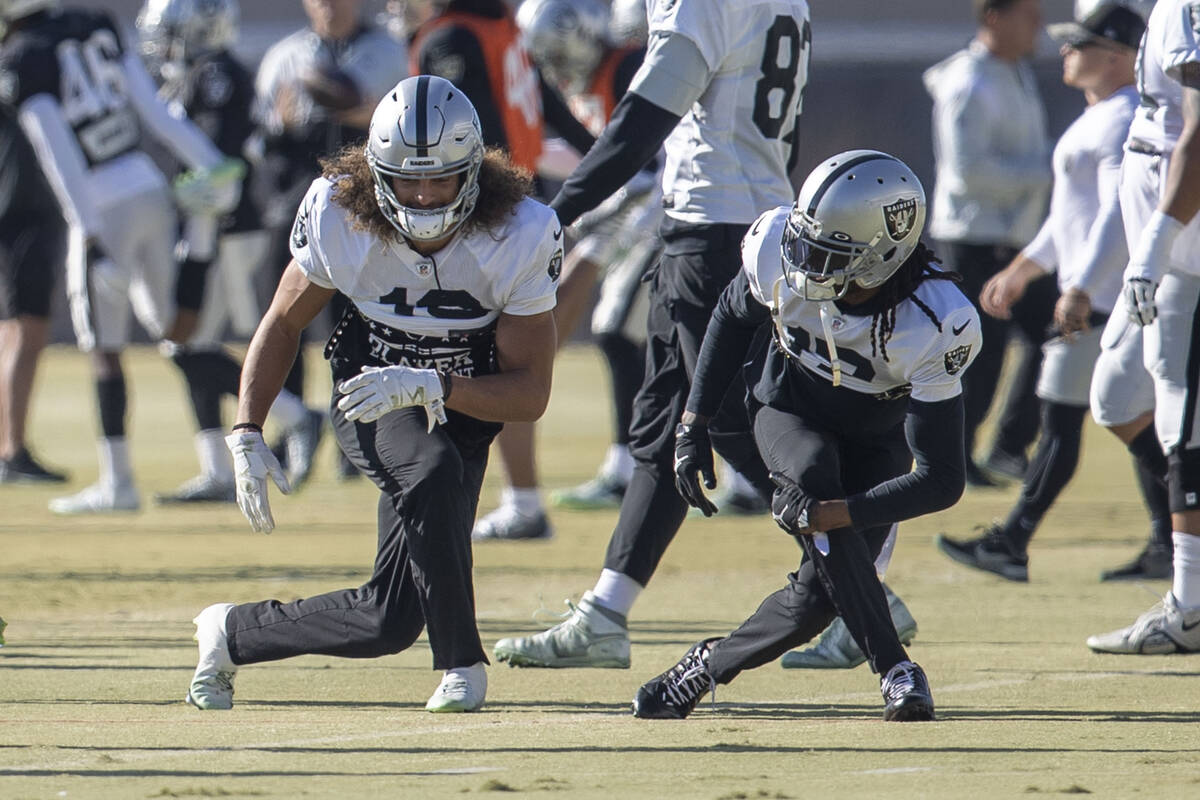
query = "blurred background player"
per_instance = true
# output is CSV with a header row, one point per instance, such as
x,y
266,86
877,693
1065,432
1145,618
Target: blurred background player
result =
x,y
186,45
1082,242
33,244
316,90
82,98
992,177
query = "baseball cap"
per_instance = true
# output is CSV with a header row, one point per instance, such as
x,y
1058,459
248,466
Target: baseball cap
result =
x,y
1107,23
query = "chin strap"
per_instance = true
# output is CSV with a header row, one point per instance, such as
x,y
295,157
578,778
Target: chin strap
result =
x,y
827,327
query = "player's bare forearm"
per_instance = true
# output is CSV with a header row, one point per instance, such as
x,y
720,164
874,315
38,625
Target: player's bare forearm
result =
x,y
1181,199
520,391
273,348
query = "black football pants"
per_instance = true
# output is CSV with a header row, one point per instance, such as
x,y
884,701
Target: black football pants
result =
x,y
429,484
843,583
697,263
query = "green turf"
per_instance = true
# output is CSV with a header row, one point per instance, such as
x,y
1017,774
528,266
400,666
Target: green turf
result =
x,y
99,649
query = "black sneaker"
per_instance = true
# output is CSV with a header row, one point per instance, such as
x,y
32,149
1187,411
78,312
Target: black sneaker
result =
x,y
1155,562
990,553
24,468
200,489
673,694
906,694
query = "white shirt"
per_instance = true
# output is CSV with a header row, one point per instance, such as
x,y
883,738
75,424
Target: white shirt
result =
x,y
464,286
727,158
990,148
932,361
1172,39
1083,238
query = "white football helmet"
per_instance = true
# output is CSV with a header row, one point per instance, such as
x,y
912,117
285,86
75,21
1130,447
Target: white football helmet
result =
x,y
857,217
565,38
630,25
15,9
425,128
176,31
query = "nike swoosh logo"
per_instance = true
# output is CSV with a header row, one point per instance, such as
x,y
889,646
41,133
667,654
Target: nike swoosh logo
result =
x,y
1187,627
558,234
960,328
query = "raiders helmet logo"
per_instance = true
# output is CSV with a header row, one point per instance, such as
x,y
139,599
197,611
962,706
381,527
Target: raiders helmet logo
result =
x,y
957,358
300,232
555,268
899,218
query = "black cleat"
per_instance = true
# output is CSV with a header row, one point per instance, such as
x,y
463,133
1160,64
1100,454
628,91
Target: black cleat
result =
x,y
906,694
24,468
991,552
673,694
1152,564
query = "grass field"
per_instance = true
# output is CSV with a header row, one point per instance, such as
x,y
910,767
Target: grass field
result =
x,y
100,650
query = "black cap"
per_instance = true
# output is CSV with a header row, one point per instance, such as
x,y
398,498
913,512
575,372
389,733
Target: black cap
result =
x,y
1107,23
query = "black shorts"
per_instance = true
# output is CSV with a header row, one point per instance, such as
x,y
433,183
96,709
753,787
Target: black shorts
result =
x,y
32,251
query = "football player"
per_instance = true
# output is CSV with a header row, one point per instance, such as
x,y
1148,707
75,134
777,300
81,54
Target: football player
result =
x,y
1083,242
1160,201
721,86
862,377
450,272
186,46
83,98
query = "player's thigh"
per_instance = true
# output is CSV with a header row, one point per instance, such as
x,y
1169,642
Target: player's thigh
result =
x,y
807,454
1067,367
1169,353
152,237
31,255
1121,389
98,296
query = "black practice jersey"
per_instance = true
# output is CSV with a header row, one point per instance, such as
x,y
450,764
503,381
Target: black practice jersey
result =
x,y
23,188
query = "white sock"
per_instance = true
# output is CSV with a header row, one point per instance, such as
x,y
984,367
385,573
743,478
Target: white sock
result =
x,y
288,410
1186,586
618,463
526,502
115,468
616,592
215,461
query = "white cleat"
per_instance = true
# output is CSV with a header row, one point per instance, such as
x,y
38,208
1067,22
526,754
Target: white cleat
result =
x,y
212,683
462,689
592,636
1162,630
506,523
98,499
836,649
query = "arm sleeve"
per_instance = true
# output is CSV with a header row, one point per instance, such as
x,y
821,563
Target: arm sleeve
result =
x,y
934,432
182,137
558,116
729,336
1042,250
631,138
454,53
61,161
1105,252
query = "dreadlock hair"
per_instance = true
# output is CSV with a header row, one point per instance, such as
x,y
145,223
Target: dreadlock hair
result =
x,y
501,186
916,269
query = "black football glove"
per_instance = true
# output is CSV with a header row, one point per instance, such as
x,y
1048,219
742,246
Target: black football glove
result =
x,y
790,505
693,459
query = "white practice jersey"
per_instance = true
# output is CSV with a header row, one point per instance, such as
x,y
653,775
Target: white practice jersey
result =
x,y
463,287
727,158
919,355
1083,238
1172,39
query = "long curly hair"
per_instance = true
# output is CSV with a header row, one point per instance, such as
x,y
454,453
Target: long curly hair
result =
x,y
916,269
501,186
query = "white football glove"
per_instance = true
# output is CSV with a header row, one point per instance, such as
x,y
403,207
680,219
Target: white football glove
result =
x,y
210,192
1139,300
377,390
253,462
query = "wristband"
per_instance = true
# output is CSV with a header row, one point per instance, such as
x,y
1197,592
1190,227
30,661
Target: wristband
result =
x,y
247,426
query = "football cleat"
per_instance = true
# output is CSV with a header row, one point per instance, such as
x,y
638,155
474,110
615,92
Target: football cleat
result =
x,y
674,693
508,523
590,636
462,689
300,443
24,468
991,552
200,489
212,683
1002,466
98,499
602,491
836,649
906,694
1153,563
1162,630
977,478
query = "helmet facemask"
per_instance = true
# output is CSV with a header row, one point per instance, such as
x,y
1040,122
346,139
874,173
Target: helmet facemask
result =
x,y
819,268
425,224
